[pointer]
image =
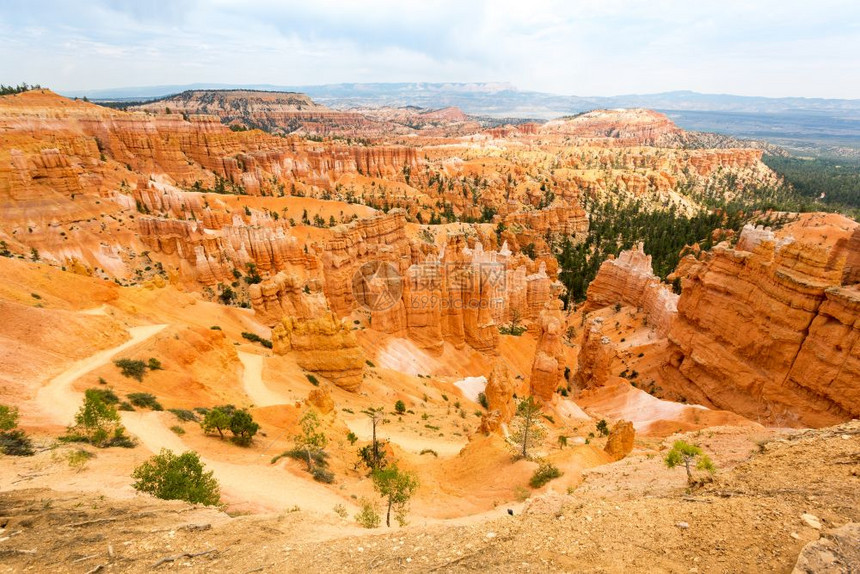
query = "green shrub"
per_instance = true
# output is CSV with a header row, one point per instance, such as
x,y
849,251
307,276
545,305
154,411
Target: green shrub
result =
x,y
400,407
16,443
482,400
184,415
322,475
8,417
145,401
545,472
131,368
125,406
215,328
173,477
318,457
313,380
369,363
78,459
340,510
107,395
98,423
351,437
602,427
368,516
243,427
178,430
430,451
154,364
255,338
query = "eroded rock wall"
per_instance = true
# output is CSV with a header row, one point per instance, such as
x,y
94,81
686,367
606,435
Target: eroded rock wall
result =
x,y
767,331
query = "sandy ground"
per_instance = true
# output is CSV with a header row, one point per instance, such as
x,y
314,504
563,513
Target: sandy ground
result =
x,y
472,387
631,516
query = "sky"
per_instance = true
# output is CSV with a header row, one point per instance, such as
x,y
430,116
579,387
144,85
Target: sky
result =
x,y
576,47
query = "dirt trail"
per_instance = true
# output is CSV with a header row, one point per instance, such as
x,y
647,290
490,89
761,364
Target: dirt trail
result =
x,y
255,388
408,441
58,402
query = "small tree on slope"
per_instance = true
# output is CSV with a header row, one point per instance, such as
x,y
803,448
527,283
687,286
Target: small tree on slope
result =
x,y
527,430
686,454
311,440
397,486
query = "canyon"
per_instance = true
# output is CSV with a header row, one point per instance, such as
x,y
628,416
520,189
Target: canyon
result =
x,y
282,257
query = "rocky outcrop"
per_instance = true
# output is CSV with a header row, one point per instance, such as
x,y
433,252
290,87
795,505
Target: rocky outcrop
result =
x,y
322,345
765,330
629,280
620,441
500,391
381,238
321,400
275,112
558,218
287,295
837,552
624,127
595,357
548,366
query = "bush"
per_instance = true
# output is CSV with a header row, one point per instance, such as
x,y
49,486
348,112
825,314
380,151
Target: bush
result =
x,y
131,368
8,417
171,477
178,430
545,472
322,475
255,338
602,427
369,363
400,407
184,415
313,380
78,459
368,516
318,457
97,423
430,451
243,427
154,364
351,437
125,406
482,400
107,395
340,510
16,443
145,401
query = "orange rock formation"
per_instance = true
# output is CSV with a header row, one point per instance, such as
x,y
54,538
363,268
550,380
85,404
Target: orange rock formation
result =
x,y
767,330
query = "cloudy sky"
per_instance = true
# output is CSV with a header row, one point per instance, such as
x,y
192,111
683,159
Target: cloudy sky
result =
x,y
581,47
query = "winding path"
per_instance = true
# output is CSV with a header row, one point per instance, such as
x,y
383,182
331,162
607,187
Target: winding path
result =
x,y
58,402
252,380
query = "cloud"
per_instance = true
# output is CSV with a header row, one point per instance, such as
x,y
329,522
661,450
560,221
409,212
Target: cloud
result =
x,y
585,47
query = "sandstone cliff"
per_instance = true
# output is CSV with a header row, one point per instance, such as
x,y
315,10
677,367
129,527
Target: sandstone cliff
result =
x,y
322,345
766,330
630,280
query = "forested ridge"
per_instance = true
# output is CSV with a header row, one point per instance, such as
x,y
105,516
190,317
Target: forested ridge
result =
x,y
618,223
